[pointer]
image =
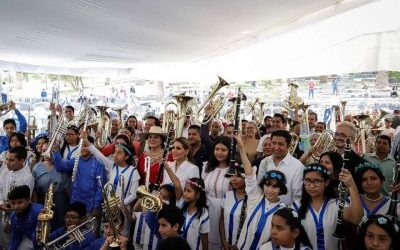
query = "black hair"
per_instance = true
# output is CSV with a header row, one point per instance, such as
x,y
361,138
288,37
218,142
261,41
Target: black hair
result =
x,y
322,124
105,218
129,117
90,139
201,203
274,176
282,117
385,137
244,120
359,174
267,117
20,137
173,243
130,154
230,125
282,133
9,121
171,193
70,107
156,120
329,191
46,140
78,207
386,224
212,161
65,144
20,152
172,214
336,159
196,127
19,192
130,129
293,223
124,137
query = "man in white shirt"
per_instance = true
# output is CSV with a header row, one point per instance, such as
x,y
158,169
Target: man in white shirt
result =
x,y
279,122
281,160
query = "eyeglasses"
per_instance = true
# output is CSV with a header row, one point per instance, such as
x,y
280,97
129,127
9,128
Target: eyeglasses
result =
x,y
314,182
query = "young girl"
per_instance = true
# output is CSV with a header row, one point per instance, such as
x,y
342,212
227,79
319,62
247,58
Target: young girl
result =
x,y
69,148
123,175
233,210
378,232
197,223
287,232
369,179
263,201
318,208
216,185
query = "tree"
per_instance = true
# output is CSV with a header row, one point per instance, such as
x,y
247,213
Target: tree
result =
x,y
76,82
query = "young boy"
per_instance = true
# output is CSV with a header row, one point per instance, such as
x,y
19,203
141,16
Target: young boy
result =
x,y
170,221
74,216
14,174
105,241
10,126
23,219
86,187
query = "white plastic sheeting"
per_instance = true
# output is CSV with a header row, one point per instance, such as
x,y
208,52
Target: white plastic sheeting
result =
x,y
169,40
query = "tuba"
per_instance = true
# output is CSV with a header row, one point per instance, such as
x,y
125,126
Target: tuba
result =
x,y
216,103
361,120
6,107
77,234
119,112
325,143
45,216
111,208
293,144
104,125
375,123
182,104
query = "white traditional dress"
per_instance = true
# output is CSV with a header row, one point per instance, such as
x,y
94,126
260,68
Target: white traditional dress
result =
x,y
381,208
271,246
216,185
320,225
184,172
194,226
232,209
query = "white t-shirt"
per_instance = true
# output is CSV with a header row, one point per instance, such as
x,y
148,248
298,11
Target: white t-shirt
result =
x,y
10,179
126,186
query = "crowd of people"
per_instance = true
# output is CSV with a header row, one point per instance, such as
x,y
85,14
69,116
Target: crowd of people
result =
x,y
280,195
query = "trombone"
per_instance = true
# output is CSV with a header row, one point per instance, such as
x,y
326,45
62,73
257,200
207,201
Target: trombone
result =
x,y
216,102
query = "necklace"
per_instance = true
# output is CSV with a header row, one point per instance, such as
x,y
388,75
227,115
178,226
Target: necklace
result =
x,y
373,200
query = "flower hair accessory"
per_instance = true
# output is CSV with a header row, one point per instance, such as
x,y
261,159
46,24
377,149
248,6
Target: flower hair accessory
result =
x,y
396,228
195,184
317,167
295,214
367,165
274,175
382,220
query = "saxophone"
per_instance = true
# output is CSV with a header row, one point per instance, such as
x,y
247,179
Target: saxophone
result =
x,y
45,216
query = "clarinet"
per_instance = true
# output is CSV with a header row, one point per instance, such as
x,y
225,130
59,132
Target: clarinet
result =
x,y
343,192
160,172
242,217
231,171
392,211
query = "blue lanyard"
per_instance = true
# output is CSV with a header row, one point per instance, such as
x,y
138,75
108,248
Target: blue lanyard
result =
x,y
70,152
232,217
319,226
261,225
380,205
186,227
116,178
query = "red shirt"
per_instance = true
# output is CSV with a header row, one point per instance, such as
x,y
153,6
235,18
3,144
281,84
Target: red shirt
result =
x,y
153,169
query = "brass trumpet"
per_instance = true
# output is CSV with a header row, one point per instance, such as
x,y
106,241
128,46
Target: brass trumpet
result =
x,y
216,103
6,107
325,143
111,208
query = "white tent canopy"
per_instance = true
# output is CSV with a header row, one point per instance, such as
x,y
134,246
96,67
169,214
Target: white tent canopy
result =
x,y
194,40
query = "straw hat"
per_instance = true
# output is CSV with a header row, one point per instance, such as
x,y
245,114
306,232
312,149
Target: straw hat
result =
x,y
154,130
